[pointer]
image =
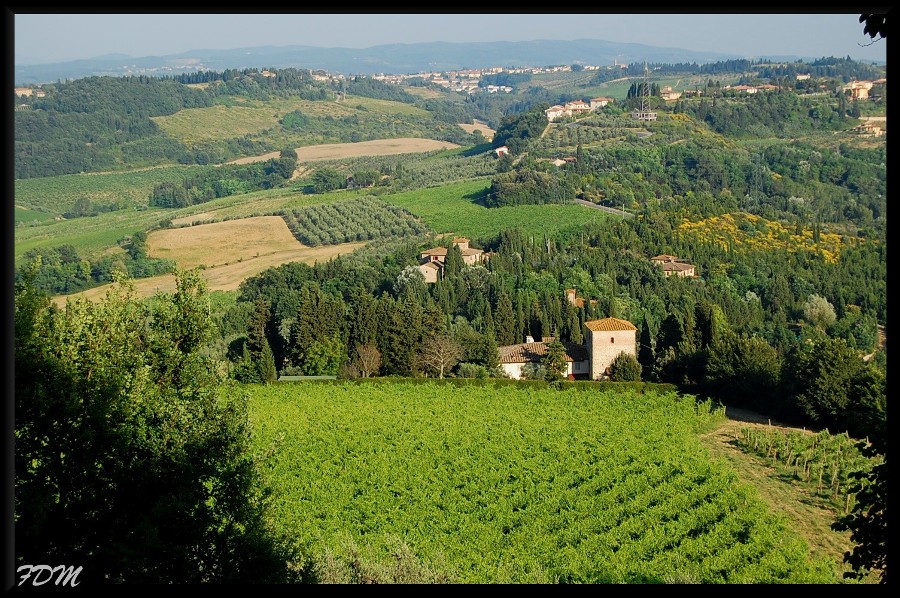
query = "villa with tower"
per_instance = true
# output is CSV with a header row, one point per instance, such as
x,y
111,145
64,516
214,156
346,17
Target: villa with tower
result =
x,y
605,339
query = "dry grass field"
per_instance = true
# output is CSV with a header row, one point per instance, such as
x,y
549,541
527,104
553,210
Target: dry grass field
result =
x,y
377,147
222,243
479,126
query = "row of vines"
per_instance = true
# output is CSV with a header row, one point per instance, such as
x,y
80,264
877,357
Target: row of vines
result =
x,y
348,221
823,461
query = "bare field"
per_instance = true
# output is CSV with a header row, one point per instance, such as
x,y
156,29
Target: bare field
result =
x,y
479,126
377,147
252,159
222,243
225,277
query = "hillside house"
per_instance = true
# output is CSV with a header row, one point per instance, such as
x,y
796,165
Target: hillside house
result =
x,y
501,151
803,76
600,102
668,94
437,256
431,271
40,93
605,339
577,107
869,128
858,90
555,112
673,265
24,92
515,357
742,88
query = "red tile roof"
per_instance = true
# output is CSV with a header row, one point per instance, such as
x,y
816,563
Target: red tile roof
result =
x,y
531,352
609,325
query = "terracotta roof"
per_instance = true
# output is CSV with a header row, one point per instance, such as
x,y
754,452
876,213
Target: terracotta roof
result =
x,y
676,266
435,265
531,352
443,251
609,325
664,257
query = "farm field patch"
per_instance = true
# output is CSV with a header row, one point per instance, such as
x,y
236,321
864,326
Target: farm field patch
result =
x,y
226,277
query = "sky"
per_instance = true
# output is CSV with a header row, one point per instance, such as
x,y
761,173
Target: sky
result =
x,y
45,38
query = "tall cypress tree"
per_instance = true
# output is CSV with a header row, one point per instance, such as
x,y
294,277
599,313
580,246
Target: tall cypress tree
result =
x,y
645,349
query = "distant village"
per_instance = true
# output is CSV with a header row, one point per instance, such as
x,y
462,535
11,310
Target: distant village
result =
x,y
468,81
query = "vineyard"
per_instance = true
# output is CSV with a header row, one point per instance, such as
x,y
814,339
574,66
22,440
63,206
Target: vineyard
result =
x,y
508,485
822,461
347,221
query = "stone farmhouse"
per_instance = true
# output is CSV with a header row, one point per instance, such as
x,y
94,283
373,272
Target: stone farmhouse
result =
x,y
671,264
574,107
605,339
432,260
869,128
668,94
859,90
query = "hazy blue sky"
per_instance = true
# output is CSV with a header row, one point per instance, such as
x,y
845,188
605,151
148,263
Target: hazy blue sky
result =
x,y
58,37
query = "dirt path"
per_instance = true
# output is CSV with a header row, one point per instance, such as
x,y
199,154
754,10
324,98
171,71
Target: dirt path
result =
x,y
809,516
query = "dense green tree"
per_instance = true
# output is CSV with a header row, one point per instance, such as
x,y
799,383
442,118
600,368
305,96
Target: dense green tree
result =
x,y
868,521
744,371
327,179
132,459
625,368
646,353
324,356
554,362
835,388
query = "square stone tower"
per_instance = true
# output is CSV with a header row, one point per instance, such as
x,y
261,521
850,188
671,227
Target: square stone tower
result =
x,y
605,339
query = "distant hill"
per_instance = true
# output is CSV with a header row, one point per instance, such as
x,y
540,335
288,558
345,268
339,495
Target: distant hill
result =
x,y
388,59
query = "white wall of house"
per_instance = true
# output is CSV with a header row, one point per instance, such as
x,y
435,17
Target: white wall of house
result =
x,y
514,370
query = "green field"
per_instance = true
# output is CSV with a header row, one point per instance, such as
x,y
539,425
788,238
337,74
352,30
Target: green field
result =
x,y
484,484
26,216
89,236
57,194
451,208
